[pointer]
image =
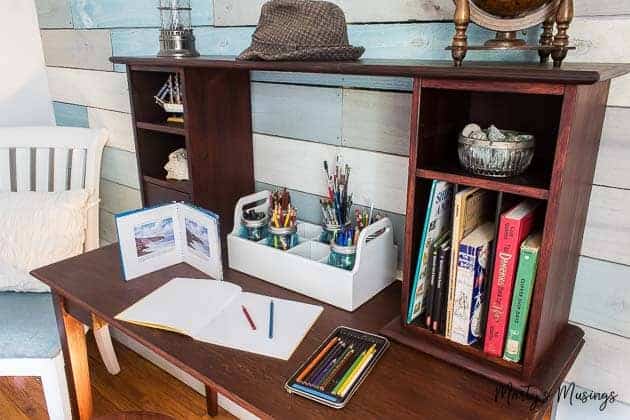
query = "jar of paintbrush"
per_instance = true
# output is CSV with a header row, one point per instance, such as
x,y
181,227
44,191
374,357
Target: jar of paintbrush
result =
x,y
343,250
283,224
336,206
254,225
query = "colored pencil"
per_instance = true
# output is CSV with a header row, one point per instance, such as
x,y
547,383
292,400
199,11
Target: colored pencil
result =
x,y
357,372
271,319
249,318
315,392
341,361
344,378
336,351
316,360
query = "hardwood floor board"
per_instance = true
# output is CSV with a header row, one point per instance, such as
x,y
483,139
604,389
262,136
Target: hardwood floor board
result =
x,y
140,386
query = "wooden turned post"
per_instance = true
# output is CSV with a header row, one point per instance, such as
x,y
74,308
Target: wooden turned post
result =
x,y
212,402
546,38
460,40
561,40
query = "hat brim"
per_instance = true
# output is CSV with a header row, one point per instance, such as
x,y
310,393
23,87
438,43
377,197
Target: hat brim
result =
x,y
306,54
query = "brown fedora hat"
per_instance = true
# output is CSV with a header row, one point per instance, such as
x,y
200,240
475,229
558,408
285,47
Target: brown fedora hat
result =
x,y
301,30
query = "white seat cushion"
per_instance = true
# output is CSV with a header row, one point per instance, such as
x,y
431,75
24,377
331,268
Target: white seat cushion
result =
x,y
38,228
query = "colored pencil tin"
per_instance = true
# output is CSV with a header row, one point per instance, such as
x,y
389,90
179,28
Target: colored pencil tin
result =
x,y
334,372
305,267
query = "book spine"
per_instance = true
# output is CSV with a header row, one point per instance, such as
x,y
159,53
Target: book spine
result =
x,y
502,283
457,222
442,283
464,280
521,301
432,290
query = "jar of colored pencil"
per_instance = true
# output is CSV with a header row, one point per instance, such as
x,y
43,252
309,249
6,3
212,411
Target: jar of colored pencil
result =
x,y
329,232
254,226
282,238
342,256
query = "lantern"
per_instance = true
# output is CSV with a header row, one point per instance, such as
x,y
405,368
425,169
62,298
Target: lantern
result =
x,y
176,35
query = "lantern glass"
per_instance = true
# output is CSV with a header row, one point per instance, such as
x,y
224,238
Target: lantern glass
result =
x,y
175,15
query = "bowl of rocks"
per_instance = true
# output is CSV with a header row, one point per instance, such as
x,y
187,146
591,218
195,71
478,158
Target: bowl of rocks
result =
x,y
494,152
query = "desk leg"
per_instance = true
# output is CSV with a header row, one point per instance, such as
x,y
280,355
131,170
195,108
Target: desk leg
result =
x,y
72,337
212,402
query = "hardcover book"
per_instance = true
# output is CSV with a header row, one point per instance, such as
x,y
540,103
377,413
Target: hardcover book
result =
x,y
432,289
469,294
472,207
437,221
521,300
514,226
439,312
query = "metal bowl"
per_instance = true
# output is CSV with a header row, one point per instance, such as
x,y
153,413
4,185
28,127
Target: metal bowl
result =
x,y
496,158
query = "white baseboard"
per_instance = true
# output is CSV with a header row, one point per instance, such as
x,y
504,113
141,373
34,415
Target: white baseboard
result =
x,y
168,367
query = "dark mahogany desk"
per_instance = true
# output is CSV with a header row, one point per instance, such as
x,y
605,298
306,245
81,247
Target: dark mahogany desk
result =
x,y
404,384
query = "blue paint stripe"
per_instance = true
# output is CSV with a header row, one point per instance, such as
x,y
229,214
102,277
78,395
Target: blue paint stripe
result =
x,y
70,115
89,14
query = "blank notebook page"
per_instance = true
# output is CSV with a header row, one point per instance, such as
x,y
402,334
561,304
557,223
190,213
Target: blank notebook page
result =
x,y
182,305
292,320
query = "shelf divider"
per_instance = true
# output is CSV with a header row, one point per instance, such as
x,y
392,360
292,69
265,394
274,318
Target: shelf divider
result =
x,y
171,128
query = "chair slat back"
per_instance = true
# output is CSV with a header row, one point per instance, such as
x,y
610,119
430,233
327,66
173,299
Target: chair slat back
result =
x,y
42,169
5,170
23,169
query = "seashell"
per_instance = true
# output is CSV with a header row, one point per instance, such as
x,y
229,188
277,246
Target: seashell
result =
x,y
478,135
177,165
469,129
494,134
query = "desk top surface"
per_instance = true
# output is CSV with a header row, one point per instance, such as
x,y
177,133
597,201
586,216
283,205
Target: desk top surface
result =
x,y
569,73
404,384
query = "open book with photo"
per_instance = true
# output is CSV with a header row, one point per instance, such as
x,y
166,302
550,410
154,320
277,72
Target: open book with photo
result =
x,y
154,238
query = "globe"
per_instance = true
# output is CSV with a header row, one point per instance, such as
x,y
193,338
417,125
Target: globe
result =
x,y
510,8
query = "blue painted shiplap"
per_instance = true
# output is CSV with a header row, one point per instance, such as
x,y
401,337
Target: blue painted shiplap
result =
x,y
88,14
70,115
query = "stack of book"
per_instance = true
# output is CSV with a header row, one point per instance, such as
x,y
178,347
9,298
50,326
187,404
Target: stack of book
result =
x,y
476,272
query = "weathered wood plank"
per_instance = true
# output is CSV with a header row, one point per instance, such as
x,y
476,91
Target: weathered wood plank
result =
x,y
607,234
602,296
600,364
53,13
376,120
118,124
70,115
602,7
99,89
620,92
302,112
120,166
378,177
107,227
80,49
89,14
594,37
116,198
402,84
613,159
246,12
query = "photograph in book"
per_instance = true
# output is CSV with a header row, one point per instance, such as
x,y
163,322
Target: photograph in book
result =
x,y
154,238
197,237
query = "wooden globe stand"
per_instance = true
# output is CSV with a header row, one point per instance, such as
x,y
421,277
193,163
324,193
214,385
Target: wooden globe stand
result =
x,y
558,13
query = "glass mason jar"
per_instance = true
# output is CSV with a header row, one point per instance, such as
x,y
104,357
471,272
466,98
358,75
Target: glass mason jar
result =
x,y
329,232
342,256
254,230
282,238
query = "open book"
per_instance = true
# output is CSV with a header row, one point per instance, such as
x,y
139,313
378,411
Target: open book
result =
x,y
211,311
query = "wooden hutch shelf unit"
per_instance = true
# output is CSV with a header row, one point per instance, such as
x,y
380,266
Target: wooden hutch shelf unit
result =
x,y
563,107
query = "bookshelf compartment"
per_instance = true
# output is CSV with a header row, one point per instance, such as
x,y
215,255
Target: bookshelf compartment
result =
x,y
445,112
153,150
144,85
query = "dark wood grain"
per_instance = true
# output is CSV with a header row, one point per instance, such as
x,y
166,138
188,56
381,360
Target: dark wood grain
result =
x,y
495,86
404,384
212,402
164,127
184,186
570,73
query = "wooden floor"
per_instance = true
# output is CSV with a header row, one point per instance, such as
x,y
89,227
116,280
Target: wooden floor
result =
x,y
140,386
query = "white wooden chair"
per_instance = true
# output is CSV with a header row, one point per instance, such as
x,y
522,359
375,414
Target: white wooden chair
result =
x,y
48,159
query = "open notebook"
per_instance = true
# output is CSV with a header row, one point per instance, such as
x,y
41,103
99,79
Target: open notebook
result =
x,y
210,311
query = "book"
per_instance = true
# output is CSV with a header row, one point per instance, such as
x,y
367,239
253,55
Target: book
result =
x,y
211,311
439,311
472,207
514,226
432,285
469,293
522,297
157,237
437,221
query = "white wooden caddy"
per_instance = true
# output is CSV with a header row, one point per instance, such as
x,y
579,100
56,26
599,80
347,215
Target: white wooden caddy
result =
x,y
304,268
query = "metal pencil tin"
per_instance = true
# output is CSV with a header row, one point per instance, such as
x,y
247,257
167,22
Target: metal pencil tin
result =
x,y
382,346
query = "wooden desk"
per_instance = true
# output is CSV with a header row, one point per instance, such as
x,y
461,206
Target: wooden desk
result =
x,y
404,384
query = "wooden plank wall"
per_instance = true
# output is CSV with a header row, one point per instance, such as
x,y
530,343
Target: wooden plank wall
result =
x,y
302,118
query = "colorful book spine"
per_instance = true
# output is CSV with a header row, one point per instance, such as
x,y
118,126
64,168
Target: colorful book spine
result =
x,y
521,300
469,293
514,226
